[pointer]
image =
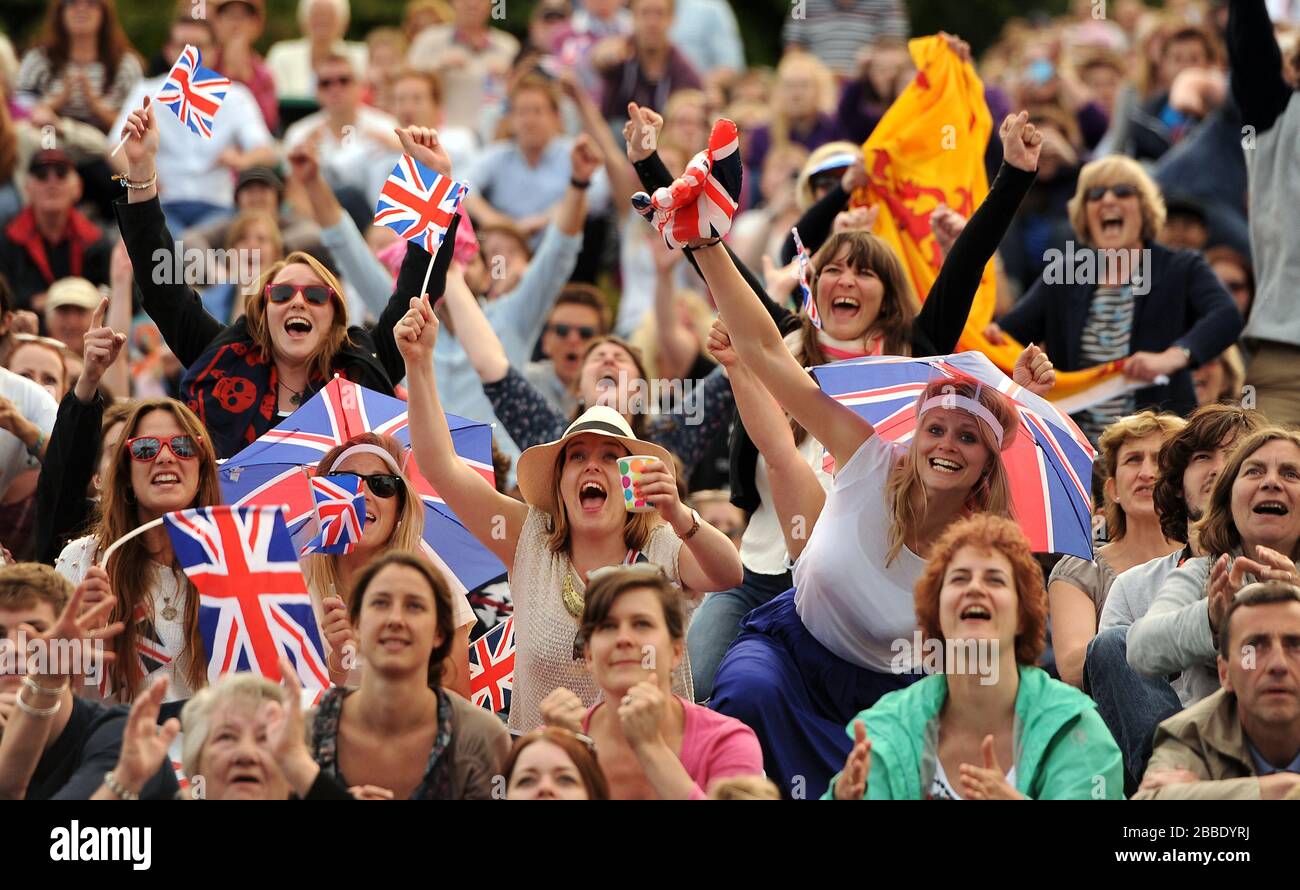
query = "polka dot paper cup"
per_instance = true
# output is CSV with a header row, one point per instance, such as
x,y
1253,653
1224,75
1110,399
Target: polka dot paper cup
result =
x,y
630,470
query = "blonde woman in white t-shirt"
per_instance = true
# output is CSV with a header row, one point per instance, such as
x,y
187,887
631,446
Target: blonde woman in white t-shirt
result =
x,y
573,522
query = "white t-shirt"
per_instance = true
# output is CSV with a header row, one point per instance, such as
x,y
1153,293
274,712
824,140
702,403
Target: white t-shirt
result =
x,y
849,600
75,561
33,403
187,162
357,159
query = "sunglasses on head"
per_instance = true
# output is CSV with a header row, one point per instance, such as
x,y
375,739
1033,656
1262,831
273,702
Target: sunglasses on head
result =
x,y
381,485
147,448
342,80
316,294
1123,190
586,332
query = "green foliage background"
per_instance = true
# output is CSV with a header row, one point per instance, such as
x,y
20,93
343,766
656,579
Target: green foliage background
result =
x,y
979,21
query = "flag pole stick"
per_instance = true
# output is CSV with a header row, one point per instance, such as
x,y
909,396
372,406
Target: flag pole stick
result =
x,y
151,97
427,272
128,536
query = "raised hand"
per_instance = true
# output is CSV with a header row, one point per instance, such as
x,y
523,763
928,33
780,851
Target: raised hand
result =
x,y
988,782
564,709
285,736
641,132
141,146
658,487
780,281
720,347
957,45
585,158
144,742
1021,142
1034,371
304,162
858,219
339,634
640,713
101,347
416,332
78,626
422,144
688,214
852,783
855,177
947,225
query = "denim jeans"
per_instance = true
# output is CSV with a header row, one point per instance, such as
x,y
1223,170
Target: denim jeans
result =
x,y
1132,705
716,624
182,215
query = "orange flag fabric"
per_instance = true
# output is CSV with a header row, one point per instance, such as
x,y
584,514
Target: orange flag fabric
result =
x,y
927,150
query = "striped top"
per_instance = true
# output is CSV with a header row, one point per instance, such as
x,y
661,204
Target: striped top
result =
x,y
38,81
836,30
1106,335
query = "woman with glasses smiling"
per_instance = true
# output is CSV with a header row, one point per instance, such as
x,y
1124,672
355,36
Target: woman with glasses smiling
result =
x,y
294,335
394,520
165,463
1160,311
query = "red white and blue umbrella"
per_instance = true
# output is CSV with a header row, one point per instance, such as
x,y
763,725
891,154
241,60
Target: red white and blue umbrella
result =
x,y
1049,465
276,468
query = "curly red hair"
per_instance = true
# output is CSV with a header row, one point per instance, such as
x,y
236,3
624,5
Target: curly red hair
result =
x,y
986,531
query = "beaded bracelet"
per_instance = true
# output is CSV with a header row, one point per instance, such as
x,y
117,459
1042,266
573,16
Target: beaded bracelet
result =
x,y
126,183
117,788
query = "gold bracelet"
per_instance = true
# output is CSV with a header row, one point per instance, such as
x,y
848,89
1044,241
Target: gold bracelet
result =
x,y
126,183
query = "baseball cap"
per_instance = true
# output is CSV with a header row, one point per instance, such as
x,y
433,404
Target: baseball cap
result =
x,y
264,175
49,157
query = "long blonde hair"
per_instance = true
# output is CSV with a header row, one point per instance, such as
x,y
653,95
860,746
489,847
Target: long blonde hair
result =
x,y
128,568
905,493
322,570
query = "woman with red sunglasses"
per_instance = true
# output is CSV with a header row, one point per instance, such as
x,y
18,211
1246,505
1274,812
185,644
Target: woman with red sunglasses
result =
x,y
164,463
293,336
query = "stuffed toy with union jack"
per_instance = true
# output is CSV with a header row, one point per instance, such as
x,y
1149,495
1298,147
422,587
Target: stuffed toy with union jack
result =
x,y
702,203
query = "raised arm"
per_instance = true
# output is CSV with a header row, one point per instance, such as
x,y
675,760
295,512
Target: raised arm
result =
x,y
490,516
1255,63
678,346
760,346
173,305
473,331
622,178
797,494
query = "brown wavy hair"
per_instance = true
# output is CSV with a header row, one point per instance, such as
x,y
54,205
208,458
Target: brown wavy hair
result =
x,y
1206,428
255,301
1002,535
638,420
992,494
636,526
111,47
129,567
1217,531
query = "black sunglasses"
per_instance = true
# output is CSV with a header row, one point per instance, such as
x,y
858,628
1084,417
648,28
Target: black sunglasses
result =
x,y
381,485
326,82
316,294
1123,190
58,170
586,332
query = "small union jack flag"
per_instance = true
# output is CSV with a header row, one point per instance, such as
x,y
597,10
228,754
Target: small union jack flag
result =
x,y
340,513
253,601
150,652
492,667
703,201
418,203
809,304
194,93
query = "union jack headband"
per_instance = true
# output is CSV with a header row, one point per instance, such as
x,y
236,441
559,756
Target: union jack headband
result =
x,y
951,401
367,448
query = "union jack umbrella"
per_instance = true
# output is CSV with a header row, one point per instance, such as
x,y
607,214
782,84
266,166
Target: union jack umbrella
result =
x,y
273,469
809,304
1049,465
194,93
253,600
340,513
418,203
492,667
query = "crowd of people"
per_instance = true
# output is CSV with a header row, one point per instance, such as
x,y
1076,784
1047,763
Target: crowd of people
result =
x,y
622,282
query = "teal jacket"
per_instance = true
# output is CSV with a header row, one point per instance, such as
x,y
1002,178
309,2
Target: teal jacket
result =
x,y
1063,750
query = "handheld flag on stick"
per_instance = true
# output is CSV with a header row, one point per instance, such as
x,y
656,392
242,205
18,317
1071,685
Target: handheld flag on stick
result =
x,y
340,513
419,204
192,92
809,304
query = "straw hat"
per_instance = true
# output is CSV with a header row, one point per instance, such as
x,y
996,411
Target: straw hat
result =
x,y
536,469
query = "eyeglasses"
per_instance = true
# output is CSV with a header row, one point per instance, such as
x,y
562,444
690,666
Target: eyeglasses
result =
x,y
381,485
58,171
1123,190
585,332
342,80
316,294
147,448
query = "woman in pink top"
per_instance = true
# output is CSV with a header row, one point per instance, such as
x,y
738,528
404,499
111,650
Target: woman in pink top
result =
x,y
652,744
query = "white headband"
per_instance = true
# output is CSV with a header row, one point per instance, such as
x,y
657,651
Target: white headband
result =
x,y
951,400
366,448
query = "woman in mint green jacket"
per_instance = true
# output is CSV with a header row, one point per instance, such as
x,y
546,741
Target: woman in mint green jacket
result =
x,y
982,614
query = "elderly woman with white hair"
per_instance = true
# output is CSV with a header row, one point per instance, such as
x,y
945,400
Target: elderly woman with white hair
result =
x,y
1118,295
293,62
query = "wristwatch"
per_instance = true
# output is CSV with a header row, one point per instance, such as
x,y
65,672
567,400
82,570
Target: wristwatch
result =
x,y
695,526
